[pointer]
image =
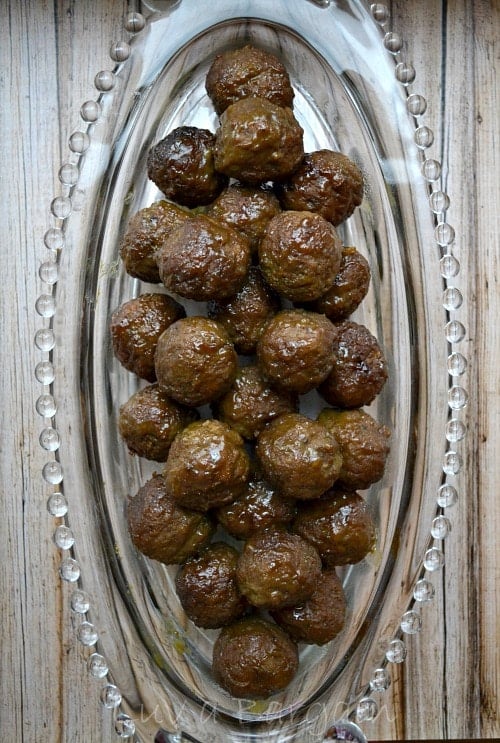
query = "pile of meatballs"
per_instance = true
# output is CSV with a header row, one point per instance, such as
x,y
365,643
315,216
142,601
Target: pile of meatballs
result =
x,y
256,501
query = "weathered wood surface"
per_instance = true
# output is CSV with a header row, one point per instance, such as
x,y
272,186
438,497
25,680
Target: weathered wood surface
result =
x,y
50,52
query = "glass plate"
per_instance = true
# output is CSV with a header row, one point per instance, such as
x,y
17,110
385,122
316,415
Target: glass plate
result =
x,y
351,94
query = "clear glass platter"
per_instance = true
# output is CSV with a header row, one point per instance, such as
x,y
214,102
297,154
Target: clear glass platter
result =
x,y
351,94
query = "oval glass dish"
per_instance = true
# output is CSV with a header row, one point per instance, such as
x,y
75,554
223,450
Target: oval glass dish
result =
x,y
349,96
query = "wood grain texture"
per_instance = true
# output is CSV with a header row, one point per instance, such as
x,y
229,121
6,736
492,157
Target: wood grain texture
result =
x,y
49,55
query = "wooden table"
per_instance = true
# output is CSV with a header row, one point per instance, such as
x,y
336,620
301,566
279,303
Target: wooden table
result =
x,y
50,52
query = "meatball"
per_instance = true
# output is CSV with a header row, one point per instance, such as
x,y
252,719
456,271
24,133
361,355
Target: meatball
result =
x,y
364,445
297,457
319,619
349,288
359,369
296,350
203,259
245,314
339,526
207,589
247,209
251,403
182,166
136,327
277,569
254,658
161,529
300,255
149,421
195,361
258,141
146,232
207,465
244,72
326,182
259,507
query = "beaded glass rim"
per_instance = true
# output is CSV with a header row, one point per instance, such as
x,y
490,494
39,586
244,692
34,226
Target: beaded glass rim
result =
x,y
447,495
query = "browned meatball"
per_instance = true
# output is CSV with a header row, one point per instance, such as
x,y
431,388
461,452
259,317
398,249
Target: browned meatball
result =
x,y
251,403
258,141
244,72
136,327
253,658
325,182
300,255
145,233
319,619
195,361
259,507
348,289
182,166
207,465
246,313
161,529
149,421
295,350
359,369
248,209
339,526
207,589
277,569
297,457
363,442
203,259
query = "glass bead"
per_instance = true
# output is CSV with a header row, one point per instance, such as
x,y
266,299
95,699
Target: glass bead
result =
x,y
45,339
457,397
416,104
105,80
110,696
80,602
439,201
396,652
452,463
57,505
69,570
124,726
49,272
452,298
79,142
68,174
46,406
90,111
423,591
405,73
455,430
61,207
54,239
457,364
45,305
380,12
424,137
87,634
393,42
454,331
450,267
366,710
431,169
380,680
433,559
444,234
446,496
134,22
119,51
49,439
44,372
98,668
441,527
411,622
63,537
52,473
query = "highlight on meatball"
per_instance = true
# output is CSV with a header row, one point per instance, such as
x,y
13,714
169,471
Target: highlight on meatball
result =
x,y
300,255
182,166
348,290
195,361
299,456
258,141
248,71
207,465
135,328
163,530
253,658
326,182
277,569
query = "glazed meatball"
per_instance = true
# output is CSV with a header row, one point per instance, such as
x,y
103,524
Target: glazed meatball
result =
x,y
254,658
258,141
182,166
359,369
319,619
161,529
297,457
149,421
277,569
326,182
246,313
195,361
300,255
339,526
251,403
364,445
349,288
259,507
146,232
203,259
296,350
207,465
207,589
136,327
247,209
244,72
